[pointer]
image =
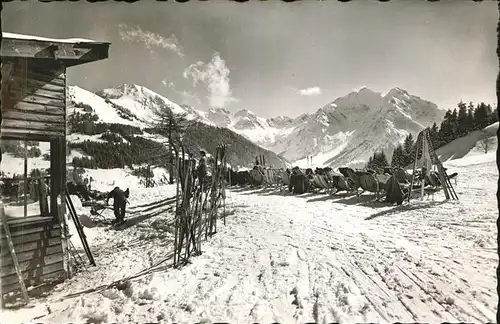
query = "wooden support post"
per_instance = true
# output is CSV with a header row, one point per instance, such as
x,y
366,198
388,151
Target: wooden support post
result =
x,y
65,241
224,170
419,139
423,168
25,178
176,229
13,254
54,178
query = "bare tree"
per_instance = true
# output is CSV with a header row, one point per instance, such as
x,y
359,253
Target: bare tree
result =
x,y
486,141
173,127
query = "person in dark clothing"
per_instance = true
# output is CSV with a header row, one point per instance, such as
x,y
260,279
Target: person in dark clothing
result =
x,y
119,202
202,168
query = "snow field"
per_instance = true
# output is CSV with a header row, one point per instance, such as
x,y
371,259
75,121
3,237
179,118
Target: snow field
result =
x,y
303,258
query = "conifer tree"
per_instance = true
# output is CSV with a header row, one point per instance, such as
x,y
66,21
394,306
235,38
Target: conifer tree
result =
x,y
446,129
434,135
462,120
383,160
408,150
397,157
481,116
470,117
494,116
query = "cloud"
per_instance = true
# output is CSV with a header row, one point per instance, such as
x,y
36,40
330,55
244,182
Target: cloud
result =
x,y
131,34
170,84
187,97
311,91
215,75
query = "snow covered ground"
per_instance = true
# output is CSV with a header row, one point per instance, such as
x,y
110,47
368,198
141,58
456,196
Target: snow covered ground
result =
x,y
292,259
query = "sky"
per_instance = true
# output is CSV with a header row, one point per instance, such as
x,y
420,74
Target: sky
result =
x,y
276,58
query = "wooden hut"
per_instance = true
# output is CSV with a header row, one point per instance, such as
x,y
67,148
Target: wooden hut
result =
x,y
33,108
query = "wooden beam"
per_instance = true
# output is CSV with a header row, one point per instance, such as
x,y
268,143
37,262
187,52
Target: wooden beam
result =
x,y
29,108
43,94
16,222
25,178
69,53
35,237
33,254
35,245
35,276
29,229
31,265
32,125
37,100
28,134
52,277
32,117
26,83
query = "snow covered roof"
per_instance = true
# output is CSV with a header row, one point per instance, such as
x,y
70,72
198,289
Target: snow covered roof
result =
x,y
44,39
71,52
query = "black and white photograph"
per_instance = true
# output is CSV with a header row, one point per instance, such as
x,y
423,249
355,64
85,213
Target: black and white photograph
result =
x,y
249,162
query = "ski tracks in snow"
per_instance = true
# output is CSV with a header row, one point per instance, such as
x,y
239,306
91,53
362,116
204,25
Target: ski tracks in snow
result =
x,y
324,264
292,259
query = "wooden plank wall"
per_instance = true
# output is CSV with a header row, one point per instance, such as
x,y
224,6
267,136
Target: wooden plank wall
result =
x,y
34,104
39,253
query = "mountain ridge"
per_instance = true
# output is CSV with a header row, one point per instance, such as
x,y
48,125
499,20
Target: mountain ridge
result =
x,y
349,128
133,106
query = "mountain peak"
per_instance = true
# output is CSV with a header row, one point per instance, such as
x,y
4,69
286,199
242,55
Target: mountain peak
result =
x,y
395,91
362,97
244,113
364,89
219,110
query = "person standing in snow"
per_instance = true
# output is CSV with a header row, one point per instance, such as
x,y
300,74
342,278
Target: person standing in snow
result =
x,y
119,202
202,168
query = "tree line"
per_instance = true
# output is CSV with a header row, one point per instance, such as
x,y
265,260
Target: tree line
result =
x,y
456,123
124,146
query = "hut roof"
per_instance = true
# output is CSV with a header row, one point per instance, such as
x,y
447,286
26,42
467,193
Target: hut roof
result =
x,y
70,52
45,39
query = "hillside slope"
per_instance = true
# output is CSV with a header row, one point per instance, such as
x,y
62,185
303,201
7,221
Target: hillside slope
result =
x,y
477,143
118,123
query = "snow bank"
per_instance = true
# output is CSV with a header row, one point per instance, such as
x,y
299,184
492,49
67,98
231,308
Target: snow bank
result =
x,y
471,143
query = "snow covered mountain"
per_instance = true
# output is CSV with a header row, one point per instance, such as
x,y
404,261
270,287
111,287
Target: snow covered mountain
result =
x,y
350,129
134,105
140,103
346,131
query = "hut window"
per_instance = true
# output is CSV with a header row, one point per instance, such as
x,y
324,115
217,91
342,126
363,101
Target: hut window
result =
x,y
24,178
